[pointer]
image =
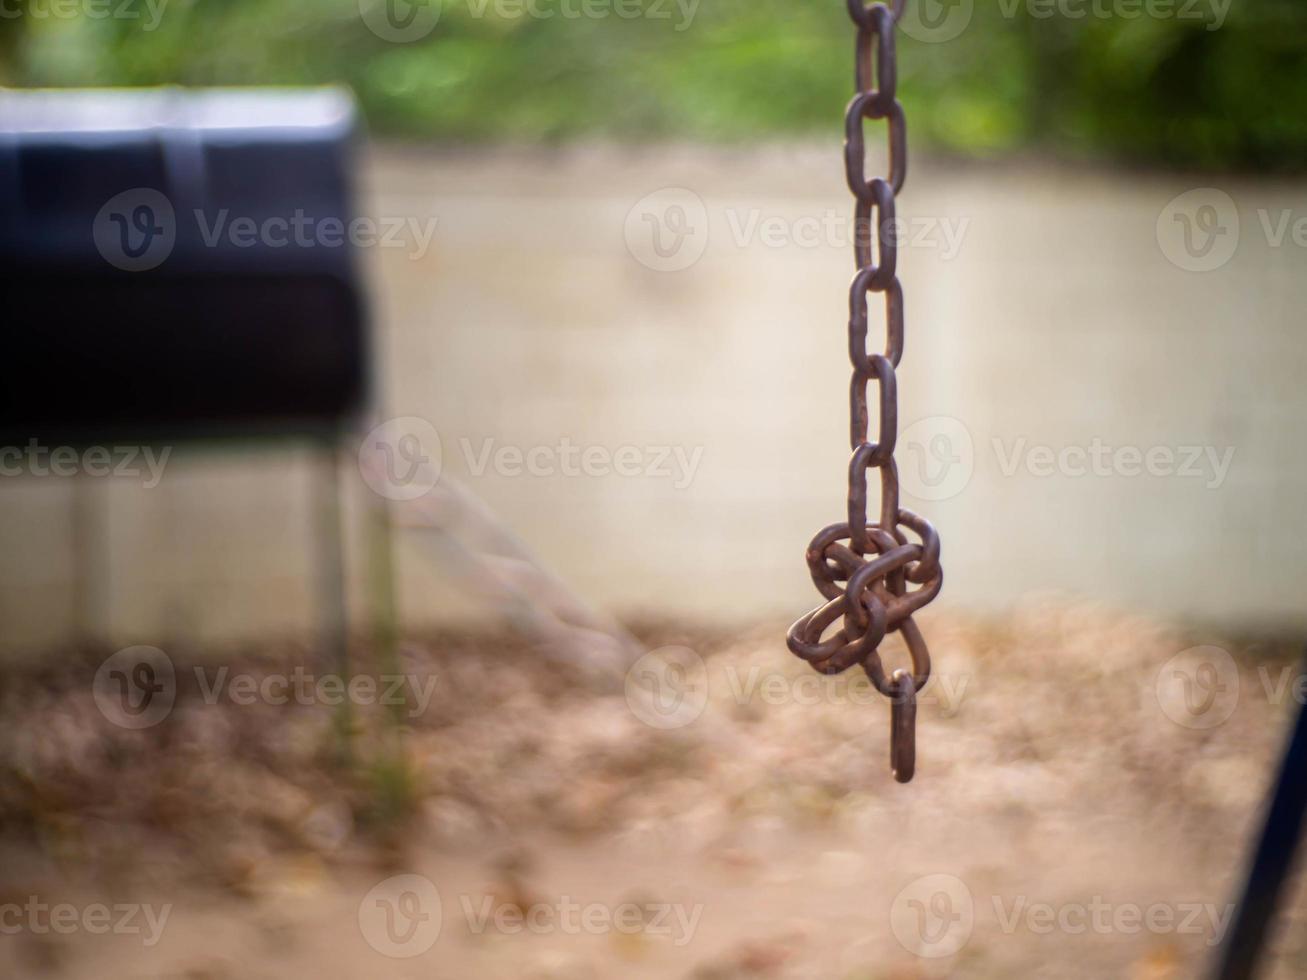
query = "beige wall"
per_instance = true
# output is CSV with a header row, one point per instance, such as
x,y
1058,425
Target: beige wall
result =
x,y
1058,321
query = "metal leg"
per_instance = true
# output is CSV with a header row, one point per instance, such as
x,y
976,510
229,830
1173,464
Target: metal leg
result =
x,y
91,566
333,619
383,608
1241,951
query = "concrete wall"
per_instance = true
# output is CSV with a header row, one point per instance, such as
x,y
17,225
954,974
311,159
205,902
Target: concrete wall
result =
x,y
1046,326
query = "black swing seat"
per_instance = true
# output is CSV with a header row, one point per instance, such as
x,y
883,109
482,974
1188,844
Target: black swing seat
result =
x,y
177,264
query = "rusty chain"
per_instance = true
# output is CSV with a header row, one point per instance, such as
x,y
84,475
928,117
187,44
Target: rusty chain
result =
x,y
870,593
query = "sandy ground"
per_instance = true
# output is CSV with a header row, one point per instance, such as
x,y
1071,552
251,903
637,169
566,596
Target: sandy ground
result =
x,y
1073,814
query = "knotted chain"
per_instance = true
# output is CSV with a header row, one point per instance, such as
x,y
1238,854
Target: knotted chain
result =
x,y
866,581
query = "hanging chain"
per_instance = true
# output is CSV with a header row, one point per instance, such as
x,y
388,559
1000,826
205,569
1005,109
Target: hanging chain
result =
x,y
865,581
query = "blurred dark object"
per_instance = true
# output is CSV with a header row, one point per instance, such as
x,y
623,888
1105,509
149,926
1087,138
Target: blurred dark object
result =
x,y
178,264
1273,861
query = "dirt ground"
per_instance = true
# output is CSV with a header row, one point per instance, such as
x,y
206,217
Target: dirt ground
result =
x,y
1068,819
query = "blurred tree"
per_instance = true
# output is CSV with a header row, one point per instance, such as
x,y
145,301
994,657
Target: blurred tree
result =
x,y
1190,83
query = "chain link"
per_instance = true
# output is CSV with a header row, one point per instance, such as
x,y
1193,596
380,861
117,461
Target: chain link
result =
x,y
866,581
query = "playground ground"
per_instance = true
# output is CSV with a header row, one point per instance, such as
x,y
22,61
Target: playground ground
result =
x,y
1073,814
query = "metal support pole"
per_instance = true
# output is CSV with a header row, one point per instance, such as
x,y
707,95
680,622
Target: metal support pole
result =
x,y
1240,953
329,546
384,611
91,564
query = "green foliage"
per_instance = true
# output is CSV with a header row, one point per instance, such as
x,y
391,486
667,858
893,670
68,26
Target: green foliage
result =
x,y
1164,87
